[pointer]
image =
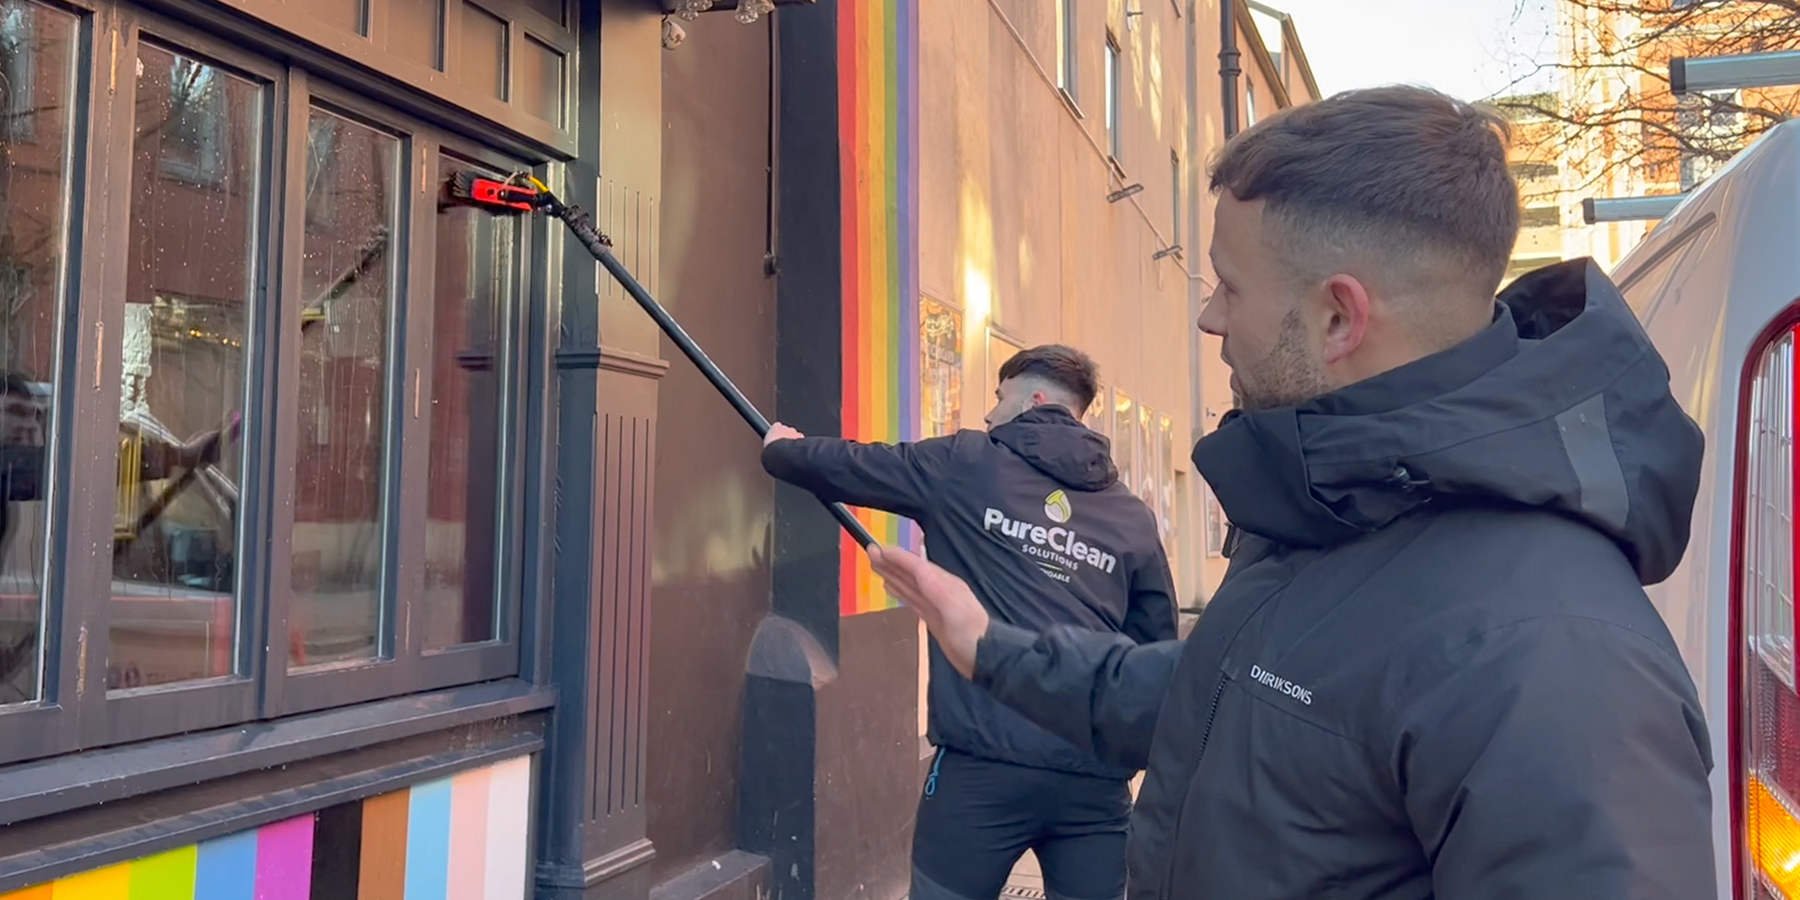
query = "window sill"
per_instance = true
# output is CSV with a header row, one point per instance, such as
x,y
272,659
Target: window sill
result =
x,y
1068,100
60,784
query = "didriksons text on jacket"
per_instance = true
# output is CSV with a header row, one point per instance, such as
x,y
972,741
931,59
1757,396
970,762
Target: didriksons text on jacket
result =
x,y
1269,679
1054,544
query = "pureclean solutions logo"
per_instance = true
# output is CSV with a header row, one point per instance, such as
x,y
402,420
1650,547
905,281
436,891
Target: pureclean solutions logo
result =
x,y
1059,551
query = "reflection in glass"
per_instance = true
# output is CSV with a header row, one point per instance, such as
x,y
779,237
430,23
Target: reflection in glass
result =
x,y
191,273
477,256
37,93
347,287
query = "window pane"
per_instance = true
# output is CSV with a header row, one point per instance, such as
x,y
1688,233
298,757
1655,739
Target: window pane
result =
x,y
1124,439
37,53
415,29
483,51
191,275
353,190
477,256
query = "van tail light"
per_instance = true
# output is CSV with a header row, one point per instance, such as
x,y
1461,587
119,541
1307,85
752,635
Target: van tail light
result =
x,y
1766,726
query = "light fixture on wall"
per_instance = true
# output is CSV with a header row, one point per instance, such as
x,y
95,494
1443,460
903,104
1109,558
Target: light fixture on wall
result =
x,y
1123,192
1166,252
748,11
751,10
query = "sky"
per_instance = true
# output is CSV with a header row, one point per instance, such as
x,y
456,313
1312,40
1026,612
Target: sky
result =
x,y
1470,49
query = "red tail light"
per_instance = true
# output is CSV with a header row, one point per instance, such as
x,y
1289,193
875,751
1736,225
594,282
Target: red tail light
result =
x,y
1766,726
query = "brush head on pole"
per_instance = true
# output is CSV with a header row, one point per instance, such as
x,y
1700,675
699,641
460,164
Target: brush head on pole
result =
x,y
491,195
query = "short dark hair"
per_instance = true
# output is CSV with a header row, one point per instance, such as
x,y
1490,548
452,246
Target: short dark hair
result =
x,y
1061,365
1402,167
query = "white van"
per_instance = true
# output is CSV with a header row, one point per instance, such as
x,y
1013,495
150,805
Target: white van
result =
x,y
1717,286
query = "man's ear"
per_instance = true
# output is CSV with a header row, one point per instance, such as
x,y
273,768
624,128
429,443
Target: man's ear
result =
x,y
1347,308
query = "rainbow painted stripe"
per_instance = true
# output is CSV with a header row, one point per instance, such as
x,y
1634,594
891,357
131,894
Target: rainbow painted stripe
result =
x,y
460,838
878,161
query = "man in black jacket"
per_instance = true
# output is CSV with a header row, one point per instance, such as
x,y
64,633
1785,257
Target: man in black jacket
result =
x,y
1032,512
1431,670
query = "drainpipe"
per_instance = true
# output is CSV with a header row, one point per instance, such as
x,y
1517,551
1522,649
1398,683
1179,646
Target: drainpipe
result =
x,y
1228,64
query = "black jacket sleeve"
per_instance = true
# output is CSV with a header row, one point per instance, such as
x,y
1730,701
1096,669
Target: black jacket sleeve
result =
x,y
1096,689
1564,757
897,478
1151,614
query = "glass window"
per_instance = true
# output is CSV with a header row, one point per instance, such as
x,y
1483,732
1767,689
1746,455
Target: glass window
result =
x,y
1097,415
477,258
1065,46
1148,462
1124,439
1112,98
1174,198
1165,508
190,285
37,54
353,194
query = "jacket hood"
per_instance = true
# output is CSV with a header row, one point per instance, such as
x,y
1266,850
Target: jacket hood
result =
x,y
1561,404
1058,445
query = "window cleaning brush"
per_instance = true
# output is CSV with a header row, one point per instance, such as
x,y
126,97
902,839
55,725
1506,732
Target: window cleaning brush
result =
x,y
524,195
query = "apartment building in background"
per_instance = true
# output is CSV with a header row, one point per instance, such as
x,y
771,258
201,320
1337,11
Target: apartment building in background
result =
x,y
1631,137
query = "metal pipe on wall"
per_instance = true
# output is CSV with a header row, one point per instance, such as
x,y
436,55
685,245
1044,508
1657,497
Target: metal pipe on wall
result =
x,y
1228,64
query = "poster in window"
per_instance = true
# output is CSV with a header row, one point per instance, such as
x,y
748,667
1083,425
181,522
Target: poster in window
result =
x,y
940,368
1095,418
1124,442
1215,522
1149,462
1165,507
1000,348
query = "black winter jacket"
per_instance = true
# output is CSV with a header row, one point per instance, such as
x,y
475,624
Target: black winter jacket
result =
x,y
1431,671
1033,515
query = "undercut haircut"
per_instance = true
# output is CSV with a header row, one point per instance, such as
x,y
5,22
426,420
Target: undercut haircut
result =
x,y
1063,367
1406,173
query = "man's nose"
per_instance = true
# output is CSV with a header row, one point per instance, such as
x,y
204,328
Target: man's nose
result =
x,y
1211,321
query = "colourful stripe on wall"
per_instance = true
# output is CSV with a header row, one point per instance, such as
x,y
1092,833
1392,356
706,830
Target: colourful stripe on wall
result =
x,y
461,838
878,165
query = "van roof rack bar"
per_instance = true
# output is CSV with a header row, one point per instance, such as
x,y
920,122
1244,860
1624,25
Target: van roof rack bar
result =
x,y
1729,73
1595,210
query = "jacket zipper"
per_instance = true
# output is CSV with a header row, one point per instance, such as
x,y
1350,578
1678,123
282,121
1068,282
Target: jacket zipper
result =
x,y
1212,712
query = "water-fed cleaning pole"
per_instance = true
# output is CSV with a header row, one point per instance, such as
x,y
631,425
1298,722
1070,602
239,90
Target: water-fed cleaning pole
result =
x,y
513,198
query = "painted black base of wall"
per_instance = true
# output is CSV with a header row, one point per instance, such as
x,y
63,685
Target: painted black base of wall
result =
x,y
733,876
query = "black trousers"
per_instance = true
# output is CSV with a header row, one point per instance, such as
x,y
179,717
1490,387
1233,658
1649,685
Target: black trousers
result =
x,y
977,817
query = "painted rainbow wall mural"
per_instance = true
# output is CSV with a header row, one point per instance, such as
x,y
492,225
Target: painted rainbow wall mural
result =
x,y
878,92
459,838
